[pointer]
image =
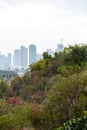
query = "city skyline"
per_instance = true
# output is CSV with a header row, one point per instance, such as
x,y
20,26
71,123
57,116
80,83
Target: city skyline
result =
x,y
43,23
27,46
24,56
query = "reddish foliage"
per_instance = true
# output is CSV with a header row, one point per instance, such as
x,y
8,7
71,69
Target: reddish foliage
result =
x,y
15,100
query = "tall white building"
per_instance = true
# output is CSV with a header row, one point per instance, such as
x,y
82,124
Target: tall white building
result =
x,y
24,56
16,58
20,58
3,62
9,60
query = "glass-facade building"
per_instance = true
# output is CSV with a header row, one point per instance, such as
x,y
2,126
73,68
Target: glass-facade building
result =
x,y
32,54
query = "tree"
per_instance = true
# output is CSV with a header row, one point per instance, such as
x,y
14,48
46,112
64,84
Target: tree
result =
x,y
46,56
75,124
75,55
15,118
79,54
28,91
17,84
4,88
66,100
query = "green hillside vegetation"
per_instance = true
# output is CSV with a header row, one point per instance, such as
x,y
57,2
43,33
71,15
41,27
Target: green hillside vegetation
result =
x,y
52,95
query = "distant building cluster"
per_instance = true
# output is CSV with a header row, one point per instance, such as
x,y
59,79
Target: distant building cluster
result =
x,y
23,57
20,57
5,61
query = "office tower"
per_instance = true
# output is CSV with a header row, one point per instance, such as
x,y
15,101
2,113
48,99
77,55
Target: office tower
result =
x,y
60,47
9,56
16,58
24,56
32,54
5,62
2,62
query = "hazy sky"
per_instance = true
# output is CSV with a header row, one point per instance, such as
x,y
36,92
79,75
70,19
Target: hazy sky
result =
x,y
42,22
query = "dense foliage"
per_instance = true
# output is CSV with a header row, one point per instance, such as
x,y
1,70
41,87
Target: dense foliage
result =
x,y
52,92
75,124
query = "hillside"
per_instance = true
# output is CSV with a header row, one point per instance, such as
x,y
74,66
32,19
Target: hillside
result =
x,y
53,91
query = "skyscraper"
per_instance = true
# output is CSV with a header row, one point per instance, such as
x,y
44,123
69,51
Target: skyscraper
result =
x,y
2,62
16,58
24,56
9,60
5,62
32,54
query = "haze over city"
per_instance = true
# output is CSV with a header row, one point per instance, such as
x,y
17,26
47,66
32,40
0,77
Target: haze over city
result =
x,y
43,64
43,23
